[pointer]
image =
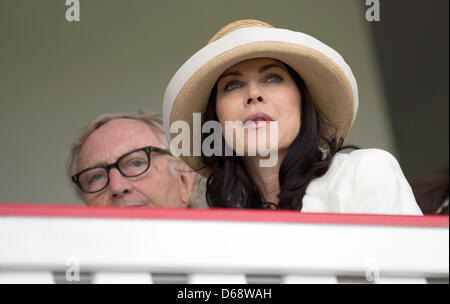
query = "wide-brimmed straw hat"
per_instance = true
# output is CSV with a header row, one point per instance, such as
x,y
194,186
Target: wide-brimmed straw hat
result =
x,y
329,79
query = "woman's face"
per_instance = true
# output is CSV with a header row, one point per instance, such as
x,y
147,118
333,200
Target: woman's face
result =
x,y
259,92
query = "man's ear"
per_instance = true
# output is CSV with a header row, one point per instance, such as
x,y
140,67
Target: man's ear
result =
x,y
185,176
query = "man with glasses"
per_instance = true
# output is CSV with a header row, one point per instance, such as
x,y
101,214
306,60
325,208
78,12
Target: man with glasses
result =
x,y
122,160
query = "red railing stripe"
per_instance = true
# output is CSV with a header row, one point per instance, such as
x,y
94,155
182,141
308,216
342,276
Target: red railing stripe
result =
x,y
237,215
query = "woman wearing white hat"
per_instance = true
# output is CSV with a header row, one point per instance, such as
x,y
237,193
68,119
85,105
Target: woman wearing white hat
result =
x,y
259,75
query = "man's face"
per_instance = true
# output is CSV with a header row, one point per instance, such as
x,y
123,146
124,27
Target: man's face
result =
x,y
158,187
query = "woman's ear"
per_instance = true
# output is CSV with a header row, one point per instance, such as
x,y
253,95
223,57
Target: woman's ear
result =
x,y
185,181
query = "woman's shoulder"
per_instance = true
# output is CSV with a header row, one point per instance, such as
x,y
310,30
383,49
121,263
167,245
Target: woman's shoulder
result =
x,y
362,160
367,155
363,181
363,166
371,181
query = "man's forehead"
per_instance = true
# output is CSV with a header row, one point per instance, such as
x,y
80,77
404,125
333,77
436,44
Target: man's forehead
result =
x,y
116,138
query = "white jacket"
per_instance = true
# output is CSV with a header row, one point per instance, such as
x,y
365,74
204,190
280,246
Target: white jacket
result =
x,y
363,181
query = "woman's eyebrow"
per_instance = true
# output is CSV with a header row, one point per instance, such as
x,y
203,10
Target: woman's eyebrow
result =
x,y
230,74
261,69
266,67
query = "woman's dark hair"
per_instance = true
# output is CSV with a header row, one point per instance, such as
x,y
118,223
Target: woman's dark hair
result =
x,y
230,186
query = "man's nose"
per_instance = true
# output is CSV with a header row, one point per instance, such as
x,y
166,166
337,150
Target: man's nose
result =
x,y
119,185
254,93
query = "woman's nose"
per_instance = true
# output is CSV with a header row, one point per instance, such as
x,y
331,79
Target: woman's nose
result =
x,y
254,93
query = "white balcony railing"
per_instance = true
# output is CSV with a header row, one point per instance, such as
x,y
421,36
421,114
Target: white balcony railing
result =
x,y
60,244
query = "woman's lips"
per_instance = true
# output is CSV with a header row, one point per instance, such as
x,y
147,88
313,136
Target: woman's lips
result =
x,y
251,124
257,120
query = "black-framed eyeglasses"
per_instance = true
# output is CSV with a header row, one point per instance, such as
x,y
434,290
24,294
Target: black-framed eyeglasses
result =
x,y
131,164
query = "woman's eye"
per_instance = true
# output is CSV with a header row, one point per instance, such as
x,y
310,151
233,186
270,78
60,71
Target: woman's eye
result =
x,y
232,85
274,78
